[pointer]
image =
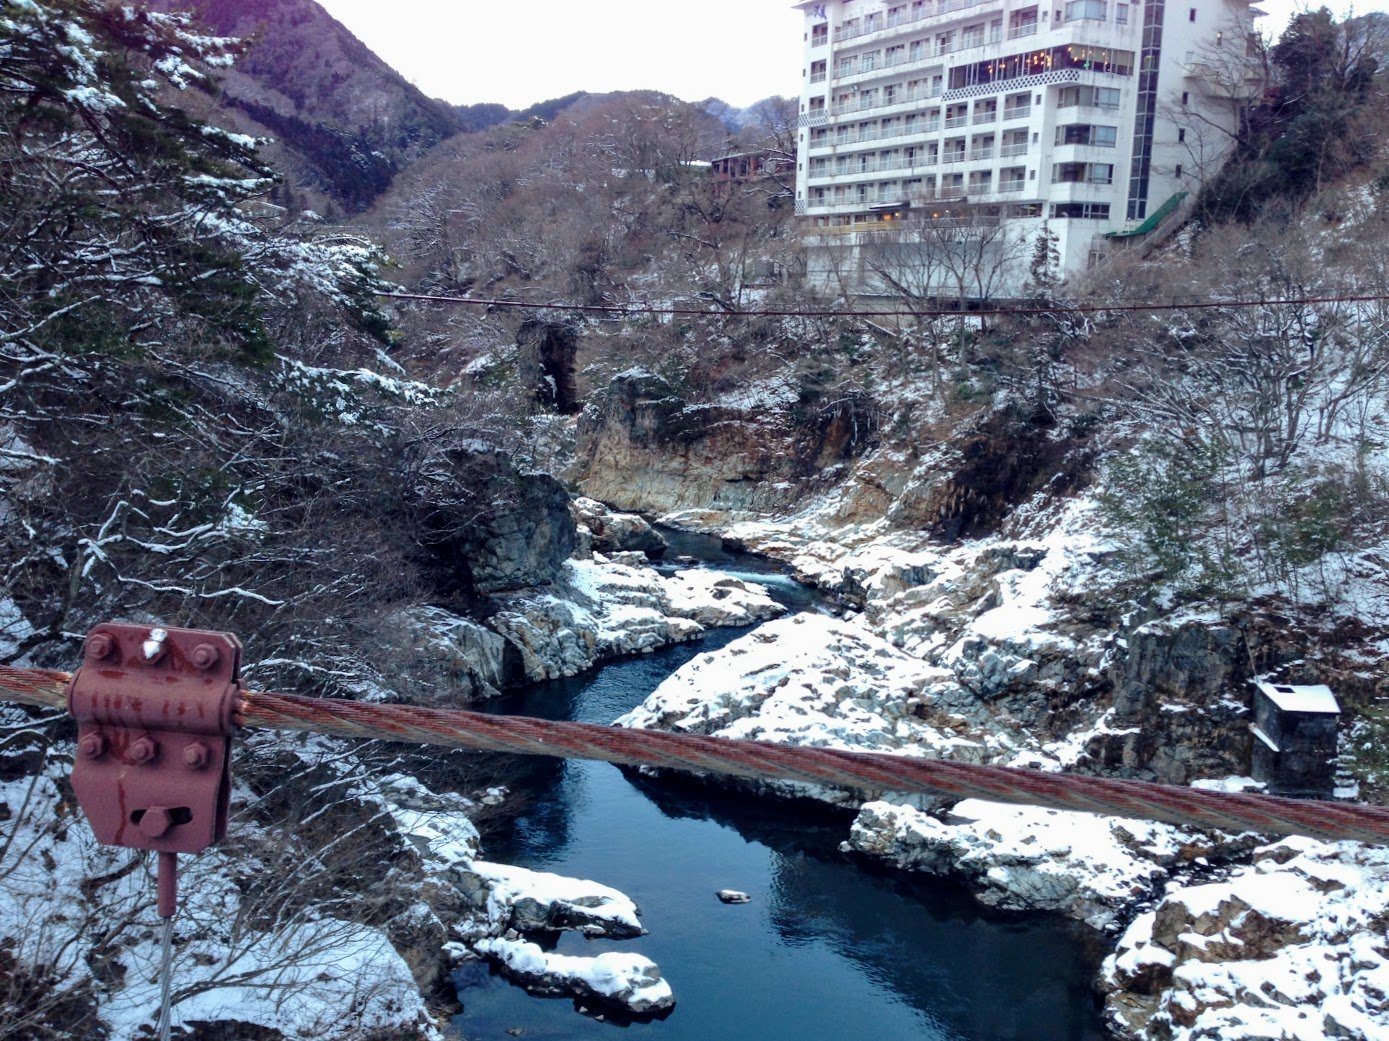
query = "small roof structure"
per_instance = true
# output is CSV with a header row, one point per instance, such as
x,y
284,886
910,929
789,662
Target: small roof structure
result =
x,y
1316,699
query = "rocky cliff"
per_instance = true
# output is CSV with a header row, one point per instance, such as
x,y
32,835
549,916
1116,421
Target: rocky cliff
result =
x,y
646,447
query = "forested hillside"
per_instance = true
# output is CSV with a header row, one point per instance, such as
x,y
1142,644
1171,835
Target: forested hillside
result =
x,y
344,123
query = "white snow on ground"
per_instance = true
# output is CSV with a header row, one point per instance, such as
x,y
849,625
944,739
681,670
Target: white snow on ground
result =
x,y
627,979
1292,948
982,609
308,976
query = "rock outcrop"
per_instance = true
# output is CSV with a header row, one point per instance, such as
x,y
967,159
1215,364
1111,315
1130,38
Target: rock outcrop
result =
x,y
1091,868
822,682
489,527
540,902
601,609
609,531
642,446
1174,682
1292,946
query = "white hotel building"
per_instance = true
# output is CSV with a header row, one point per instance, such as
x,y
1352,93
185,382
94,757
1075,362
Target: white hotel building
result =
x,y
982,120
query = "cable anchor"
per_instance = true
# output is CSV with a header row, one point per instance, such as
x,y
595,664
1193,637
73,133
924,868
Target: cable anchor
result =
x,y
156,709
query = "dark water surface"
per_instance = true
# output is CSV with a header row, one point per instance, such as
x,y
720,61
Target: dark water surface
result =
x,y
828,950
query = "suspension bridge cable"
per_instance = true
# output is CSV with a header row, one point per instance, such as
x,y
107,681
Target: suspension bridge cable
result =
x,y
1055,309
862,771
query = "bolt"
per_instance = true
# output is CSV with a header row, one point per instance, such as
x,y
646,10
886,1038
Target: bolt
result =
x,y
93,746
196,755
100,646
154,645
206,656
155,821
143,749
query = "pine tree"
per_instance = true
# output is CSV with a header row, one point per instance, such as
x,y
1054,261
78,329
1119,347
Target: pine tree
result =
x,y
1046,262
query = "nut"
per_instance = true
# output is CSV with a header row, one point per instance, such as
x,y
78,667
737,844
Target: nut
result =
x,y
196,755
142,749
93,746
100,646
206,656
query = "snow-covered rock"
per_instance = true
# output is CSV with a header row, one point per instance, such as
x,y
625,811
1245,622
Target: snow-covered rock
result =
x,y
465,661
538,901
602,609
613,532
1291,947
822,682
1023,858
628,980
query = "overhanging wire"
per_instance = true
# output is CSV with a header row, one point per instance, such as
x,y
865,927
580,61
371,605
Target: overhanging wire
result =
x,y
957,312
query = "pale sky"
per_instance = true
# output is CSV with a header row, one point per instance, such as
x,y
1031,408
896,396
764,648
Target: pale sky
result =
x,y
518,53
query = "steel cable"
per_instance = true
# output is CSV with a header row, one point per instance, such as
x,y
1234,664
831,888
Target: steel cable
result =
x,y
867,772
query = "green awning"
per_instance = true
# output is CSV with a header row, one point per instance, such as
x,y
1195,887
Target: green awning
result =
x,y
1159,215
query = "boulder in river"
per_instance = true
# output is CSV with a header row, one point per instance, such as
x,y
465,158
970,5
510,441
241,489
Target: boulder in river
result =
x,y
614,532
630,981
537,901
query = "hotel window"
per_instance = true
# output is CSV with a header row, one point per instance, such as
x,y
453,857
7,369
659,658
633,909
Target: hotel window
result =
x,y
1091,9
1085,134
1121,14
1080,210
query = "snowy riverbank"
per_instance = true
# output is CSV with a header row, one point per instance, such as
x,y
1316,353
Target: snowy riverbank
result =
x,y
978,652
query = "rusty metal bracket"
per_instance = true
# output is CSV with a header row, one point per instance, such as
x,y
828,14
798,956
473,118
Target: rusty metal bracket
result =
x,y
154,709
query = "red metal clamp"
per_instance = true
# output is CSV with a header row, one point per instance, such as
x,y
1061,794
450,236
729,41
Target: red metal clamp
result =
x,y
155,714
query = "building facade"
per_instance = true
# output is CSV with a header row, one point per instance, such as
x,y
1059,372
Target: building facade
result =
x,y
939,140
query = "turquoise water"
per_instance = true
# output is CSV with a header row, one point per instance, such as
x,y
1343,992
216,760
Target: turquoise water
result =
x,y
829,948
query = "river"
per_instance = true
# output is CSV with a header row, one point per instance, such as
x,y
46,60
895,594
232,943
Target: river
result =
x,y
828,949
